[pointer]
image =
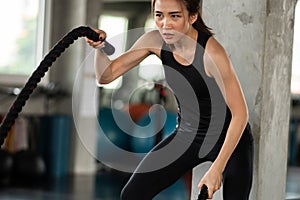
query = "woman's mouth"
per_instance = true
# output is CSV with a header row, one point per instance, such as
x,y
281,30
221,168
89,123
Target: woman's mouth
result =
x,y
168,35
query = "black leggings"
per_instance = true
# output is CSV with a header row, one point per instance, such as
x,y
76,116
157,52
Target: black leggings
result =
x,y
237,176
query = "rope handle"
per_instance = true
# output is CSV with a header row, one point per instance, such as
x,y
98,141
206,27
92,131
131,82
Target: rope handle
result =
x,y
35,78
203,193
91,34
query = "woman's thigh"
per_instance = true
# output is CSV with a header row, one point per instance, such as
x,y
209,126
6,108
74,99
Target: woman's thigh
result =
x,y
145,184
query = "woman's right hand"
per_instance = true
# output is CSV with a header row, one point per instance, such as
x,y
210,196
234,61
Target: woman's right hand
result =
x,y
212,179
100,44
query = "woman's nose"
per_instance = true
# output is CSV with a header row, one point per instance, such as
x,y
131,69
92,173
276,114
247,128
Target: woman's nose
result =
x,y
166,23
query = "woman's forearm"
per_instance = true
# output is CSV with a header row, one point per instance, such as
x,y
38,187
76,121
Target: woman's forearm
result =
x,y
102,67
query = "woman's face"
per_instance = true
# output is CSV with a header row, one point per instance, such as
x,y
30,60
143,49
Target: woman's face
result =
x,y
172,19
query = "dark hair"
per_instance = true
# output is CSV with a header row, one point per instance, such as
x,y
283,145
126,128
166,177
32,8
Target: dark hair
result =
x,y
193,7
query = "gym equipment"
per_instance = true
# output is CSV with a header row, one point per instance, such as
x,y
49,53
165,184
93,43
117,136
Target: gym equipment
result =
x,y
111,129
53,143
40,71
28,168
136,111
143,141
203,193
170,124
6,167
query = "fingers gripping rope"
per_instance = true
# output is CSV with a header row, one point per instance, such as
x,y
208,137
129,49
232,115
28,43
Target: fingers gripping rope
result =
x,y
204,193
40,71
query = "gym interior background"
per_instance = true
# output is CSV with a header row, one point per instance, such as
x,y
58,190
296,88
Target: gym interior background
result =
x,y
51,151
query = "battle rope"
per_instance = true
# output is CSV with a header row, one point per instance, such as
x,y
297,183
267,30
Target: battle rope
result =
x,y
203,193
40,71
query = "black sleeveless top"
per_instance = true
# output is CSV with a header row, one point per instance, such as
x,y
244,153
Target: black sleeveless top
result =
x,y
202,108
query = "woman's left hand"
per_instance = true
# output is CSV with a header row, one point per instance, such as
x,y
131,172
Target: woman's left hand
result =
x,y
212,179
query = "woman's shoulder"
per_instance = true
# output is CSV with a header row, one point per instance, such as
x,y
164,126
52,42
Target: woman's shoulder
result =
x,y
215,53
150,40
214,47
153,37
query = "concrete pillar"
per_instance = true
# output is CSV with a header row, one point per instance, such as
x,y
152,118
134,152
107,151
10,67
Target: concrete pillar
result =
x,y
67,15
258,38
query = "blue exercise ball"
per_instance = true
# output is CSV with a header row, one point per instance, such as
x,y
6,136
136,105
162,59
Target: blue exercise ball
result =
x,y
144,139
171,123
110,129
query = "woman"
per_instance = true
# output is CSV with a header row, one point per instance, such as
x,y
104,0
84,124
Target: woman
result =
x,y
208,73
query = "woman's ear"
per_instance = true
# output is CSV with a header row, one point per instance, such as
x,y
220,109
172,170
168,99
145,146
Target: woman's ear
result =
x,y
193,18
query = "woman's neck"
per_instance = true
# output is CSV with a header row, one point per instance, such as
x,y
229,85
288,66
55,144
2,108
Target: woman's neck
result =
x,y
187,41
184,50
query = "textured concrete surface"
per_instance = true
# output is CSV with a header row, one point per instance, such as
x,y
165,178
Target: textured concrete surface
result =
x,y
258,38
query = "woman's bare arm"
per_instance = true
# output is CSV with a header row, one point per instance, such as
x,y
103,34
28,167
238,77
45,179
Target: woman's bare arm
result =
x,y
218,66
108,70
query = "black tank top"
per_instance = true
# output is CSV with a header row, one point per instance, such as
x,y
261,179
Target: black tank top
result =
x,y
202,108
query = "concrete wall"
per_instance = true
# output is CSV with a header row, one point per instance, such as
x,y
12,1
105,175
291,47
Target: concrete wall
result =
x,y
258,38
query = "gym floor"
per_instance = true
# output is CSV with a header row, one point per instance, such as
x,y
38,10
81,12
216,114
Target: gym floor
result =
x,y
107,186
103,186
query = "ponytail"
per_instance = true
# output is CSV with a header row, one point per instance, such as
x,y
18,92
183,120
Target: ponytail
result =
x,y
199,25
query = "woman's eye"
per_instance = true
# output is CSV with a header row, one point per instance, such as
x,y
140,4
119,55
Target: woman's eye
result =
x,y
158,15
175,16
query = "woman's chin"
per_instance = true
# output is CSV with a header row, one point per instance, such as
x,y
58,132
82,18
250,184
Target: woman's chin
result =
x,y
169,40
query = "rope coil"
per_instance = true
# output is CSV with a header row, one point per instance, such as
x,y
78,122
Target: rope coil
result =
x,y
40,71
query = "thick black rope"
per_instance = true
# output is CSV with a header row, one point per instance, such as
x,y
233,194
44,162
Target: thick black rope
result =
x,y
40,71
203,193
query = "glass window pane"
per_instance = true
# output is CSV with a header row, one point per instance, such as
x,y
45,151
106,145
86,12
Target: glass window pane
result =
x,y
115,27
18,49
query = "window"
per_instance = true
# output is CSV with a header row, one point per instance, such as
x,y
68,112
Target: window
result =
x,y
115,28
295,84
21,40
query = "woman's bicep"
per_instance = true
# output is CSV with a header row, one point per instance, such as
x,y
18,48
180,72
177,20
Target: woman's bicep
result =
x,y
127,61
143,47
